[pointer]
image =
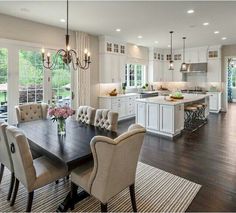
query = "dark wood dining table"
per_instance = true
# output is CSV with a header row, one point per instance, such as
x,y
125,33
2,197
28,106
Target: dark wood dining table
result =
x,y
73,149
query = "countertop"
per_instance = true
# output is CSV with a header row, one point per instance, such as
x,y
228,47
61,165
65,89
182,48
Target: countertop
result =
x,y
119,95
161,99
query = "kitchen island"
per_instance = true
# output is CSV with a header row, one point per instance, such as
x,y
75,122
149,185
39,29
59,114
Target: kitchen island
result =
x,y
162,116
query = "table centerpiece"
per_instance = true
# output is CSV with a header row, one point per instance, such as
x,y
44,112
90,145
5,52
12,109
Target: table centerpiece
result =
x,y
60,114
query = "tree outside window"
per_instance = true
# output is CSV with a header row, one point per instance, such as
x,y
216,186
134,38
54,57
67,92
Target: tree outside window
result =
x,y
134,75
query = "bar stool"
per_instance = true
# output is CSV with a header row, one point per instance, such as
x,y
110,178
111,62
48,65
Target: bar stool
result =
x,y
190,113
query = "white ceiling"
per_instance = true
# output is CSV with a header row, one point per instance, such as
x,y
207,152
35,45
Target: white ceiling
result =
x,y
152,20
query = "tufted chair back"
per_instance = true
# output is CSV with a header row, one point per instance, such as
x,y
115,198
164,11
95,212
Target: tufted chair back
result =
x,y
5,155
115,162
31,112
21,157
86,114
106,119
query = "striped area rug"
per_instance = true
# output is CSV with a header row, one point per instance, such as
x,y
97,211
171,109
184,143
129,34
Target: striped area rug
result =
x,y
156,191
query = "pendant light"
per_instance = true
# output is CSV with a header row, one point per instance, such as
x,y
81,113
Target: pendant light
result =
x,y
184,66
171,63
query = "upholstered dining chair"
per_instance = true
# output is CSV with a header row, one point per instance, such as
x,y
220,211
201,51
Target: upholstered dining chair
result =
x,y
86,114
113,168
31,111
106,119
33,174
5,157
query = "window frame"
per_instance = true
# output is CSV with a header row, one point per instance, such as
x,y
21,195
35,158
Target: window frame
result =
x,y
127,77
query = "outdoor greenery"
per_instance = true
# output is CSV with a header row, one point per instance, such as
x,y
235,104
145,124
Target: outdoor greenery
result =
x,y
31,76
233,69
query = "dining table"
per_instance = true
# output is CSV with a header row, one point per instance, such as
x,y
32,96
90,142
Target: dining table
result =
x,y
72,149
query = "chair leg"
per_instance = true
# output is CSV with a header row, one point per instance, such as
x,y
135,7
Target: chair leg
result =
x,y
11,186
73,193
57,181
132,195
30,201
15,193
1,172
103,207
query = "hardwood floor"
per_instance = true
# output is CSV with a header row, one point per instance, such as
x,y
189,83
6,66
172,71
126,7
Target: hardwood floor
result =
x,y
207,157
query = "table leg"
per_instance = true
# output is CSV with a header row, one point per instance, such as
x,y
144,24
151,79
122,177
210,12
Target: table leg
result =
x,y
66,204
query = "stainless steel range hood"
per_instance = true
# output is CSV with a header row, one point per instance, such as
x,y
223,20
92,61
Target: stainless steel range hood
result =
x,y
196,67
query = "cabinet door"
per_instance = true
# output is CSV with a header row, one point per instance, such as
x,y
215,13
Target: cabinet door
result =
x,y
105,74
123,61
115,68
141,113
213,103
167,74
167,119
214,70
177,75
202,55
179,118
152,116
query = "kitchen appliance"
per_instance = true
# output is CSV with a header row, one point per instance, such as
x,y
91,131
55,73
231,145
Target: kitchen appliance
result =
x,y
148,94
196,67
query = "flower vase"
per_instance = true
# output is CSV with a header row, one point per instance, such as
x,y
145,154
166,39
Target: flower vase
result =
x,y
61,127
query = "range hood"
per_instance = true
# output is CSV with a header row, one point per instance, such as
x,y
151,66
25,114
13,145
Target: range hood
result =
x,y
196,67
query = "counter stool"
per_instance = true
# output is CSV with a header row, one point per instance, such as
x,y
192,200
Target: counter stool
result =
x,y
190,116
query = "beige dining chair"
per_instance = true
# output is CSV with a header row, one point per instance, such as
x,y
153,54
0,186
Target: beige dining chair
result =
x,y
31,112
33,174
106,119
113,168
5,157
86,114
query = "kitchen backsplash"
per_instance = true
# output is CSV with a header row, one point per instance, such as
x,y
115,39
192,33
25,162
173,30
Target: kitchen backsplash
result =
x,y
172,86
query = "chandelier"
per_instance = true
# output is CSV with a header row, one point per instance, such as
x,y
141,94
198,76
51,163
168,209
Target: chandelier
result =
x,y
68,55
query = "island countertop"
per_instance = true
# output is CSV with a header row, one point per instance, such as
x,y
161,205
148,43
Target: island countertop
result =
x,y
188,98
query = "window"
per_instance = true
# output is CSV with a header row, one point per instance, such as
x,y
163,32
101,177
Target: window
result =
x,y
30,77
3,83
134,75
109,47
116,48
61,83
122,49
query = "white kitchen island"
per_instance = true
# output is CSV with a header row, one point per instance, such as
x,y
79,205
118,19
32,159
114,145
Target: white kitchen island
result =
x,y
165,117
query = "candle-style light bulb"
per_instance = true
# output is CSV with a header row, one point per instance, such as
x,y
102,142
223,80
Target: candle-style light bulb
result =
x,y
85,51
43,50
68,48
88,56
48,54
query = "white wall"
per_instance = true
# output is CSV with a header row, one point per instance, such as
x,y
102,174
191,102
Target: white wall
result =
x,y
18,33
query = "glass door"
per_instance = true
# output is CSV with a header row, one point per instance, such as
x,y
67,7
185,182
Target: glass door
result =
x,y
3,83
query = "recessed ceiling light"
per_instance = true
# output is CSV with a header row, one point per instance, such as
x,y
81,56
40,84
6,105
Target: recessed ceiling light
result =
x,y
140,36
216,32
62,20
118,30
223,38
156,42
190,11
205,24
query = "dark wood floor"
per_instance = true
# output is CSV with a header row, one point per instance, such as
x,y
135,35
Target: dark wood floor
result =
x,y
207,157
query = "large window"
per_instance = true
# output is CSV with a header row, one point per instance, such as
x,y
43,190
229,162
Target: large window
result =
x,y
134,75
30,77
61,83
3,82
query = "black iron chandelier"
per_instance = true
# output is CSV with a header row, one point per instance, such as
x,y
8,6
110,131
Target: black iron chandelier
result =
x,y
171,63
68,55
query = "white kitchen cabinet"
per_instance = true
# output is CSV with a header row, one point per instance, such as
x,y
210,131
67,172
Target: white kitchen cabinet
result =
x,y
167,119
177,75
214,70
167,74
152,116
171,119
202,54
124,105
141,113
157,71
214,101
191,55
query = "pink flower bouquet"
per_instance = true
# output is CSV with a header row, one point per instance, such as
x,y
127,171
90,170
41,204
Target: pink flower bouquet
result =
x,y
60,113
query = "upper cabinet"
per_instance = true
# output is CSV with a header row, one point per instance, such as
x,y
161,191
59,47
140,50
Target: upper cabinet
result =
x,y
196,55
112,55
